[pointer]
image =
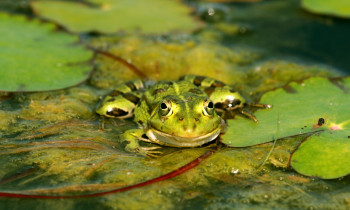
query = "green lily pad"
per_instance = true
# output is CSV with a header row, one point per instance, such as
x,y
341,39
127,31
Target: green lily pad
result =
x,y
33,58
297,109
316,106
340,8
326,155
107,16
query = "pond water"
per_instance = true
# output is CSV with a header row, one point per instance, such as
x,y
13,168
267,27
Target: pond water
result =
x,y
52,144
284,29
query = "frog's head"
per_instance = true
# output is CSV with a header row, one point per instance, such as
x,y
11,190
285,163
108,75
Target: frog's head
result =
x,y
185,121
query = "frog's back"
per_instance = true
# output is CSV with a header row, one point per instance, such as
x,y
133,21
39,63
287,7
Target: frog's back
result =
x,y
181,89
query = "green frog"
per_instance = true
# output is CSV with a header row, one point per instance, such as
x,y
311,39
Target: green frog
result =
x,y
189,112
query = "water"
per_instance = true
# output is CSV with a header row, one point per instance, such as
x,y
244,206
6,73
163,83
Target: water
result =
x,y
284,29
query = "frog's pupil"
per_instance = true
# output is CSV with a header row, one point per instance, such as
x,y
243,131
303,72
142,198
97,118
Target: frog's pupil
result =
x,y
210,105
163,106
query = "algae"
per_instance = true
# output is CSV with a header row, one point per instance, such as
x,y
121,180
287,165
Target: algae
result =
x,y
157,57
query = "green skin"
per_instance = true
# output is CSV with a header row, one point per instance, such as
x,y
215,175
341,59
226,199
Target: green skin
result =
x,y
177,114
186,122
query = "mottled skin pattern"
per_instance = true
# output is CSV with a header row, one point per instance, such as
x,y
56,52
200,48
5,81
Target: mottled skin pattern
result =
x,y
187,118
178,114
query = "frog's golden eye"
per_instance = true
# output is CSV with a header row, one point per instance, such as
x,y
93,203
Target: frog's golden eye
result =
x,y
165,108
208,108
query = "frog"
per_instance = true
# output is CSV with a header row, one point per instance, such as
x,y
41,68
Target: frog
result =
x,y
189,112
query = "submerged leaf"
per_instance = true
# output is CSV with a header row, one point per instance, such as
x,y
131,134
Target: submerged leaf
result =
x,y
107,16
340,8
35,59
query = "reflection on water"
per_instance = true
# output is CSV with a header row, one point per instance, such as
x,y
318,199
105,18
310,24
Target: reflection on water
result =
x,y
282,28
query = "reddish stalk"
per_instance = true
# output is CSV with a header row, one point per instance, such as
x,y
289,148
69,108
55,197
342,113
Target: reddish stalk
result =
x,y
122,61
169,175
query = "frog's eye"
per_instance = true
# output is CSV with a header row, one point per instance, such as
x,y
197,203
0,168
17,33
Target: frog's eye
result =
x,y
165,108
208,108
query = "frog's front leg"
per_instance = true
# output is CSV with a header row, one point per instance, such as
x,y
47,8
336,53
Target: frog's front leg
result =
x,y
132,137
259,106
247,113
246,110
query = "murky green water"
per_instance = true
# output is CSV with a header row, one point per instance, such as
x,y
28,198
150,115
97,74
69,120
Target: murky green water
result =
x,y
51,142
283,29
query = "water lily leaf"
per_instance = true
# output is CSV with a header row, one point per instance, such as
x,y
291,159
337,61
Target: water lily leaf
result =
x,y
340,8
326,155
313,105
110,16
317,106
33,58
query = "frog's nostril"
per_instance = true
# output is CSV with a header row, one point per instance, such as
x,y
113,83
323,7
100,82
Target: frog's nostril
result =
x,y
187,129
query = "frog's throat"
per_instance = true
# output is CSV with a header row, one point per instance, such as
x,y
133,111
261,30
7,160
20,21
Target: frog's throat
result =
x,y
162,138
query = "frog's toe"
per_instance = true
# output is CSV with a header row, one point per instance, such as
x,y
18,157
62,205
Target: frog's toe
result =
x,y
150,148
145,139
149,152
248,114
153,154
261,106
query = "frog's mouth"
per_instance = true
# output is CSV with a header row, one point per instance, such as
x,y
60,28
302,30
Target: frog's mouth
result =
x,y
162,138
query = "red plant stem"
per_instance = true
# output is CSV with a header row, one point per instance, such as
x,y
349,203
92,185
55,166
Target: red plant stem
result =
x,y
121,60
169,175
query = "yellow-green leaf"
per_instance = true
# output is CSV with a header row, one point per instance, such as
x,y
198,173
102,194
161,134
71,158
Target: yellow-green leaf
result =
x,y
110,16
340,8
326,155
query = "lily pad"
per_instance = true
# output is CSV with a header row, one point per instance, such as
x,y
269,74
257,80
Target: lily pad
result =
x,y
326,155
107,16
318,107
36,59
299,108
339,8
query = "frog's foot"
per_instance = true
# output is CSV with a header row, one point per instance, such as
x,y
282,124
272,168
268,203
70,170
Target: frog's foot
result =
x,y
223,113
242,110
260,106
101,125
144,151
144,138
132,138
248,114
148,152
